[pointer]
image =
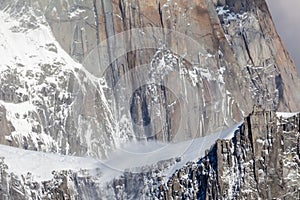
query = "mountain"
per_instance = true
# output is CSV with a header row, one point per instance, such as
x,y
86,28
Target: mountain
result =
x,y
261,161
138,86
199,68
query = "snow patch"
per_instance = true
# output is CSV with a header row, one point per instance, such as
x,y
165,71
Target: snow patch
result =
x,y
286,115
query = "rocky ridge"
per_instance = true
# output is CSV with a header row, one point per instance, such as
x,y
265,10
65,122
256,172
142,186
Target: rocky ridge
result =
x,y
261,161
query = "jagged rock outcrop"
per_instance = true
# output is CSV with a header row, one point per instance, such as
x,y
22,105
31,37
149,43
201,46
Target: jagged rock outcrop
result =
x,y
262,161
222,58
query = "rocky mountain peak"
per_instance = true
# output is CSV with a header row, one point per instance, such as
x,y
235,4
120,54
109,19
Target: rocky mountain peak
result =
x,y
90,78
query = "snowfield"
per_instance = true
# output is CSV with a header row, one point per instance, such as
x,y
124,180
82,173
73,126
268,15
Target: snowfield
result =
x,y
133,157
20,162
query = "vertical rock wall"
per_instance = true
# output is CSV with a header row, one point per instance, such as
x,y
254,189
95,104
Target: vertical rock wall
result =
x,y
205,68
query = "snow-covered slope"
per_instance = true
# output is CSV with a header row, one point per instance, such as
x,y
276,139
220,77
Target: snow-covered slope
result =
x,y
133,158
41,165
51,103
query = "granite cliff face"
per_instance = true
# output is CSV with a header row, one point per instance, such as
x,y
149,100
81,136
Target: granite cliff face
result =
x,y
84,78
206,64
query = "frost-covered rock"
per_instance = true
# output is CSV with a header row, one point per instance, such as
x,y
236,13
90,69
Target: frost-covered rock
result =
x,y
261,161
50,102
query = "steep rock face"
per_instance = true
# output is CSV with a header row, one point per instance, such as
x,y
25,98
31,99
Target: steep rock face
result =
x,y
221,58
261,161
240,60
45,95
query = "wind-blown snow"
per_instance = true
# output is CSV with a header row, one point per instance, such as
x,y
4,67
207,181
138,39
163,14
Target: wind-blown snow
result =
x,y
133,157
136,155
